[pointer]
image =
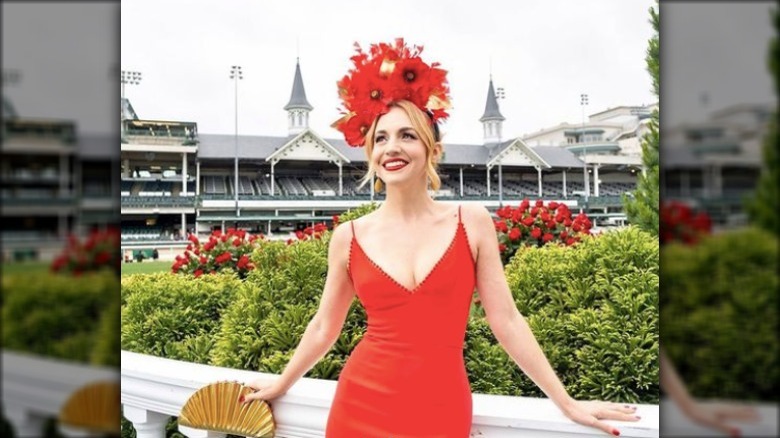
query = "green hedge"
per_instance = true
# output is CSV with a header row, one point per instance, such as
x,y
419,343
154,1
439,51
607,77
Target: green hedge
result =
x,y
719,314
593,308
59,316
175,316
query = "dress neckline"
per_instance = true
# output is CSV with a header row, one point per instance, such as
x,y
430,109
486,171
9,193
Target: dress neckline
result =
x,y
413,291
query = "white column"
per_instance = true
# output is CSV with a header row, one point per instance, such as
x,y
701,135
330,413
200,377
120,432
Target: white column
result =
x,y
596,180
25,422
341,184
539,179
147,424
183,226
64,173
273,164
62,225
461,182
372,186
586,180
564,184
197,178
488,181
184,172
717,180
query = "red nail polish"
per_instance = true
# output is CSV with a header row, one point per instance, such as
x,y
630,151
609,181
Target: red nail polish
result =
x,y
615,432
241,399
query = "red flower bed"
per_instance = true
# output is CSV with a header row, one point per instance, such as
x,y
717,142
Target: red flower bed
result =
x,y
538,225
100,250
679,223
228,251
314,232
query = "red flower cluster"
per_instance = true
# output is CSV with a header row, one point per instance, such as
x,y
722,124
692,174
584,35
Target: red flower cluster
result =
x,y
100,250
537,225
309,233
228,251
386,74
680,223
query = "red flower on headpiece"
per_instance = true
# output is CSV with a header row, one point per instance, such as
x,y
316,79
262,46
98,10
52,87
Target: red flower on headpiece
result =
x,y
386,74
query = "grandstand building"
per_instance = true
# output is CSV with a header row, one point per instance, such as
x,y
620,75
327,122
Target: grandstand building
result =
x,y
54,183
716,164
175,179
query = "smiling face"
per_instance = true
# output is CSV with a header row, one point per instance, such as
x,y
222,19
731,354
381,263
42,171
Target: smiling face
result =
x,y
402,148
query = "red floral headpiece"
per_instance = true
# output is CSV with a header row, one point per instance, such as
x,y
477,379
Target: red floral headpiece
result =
x,y
386,74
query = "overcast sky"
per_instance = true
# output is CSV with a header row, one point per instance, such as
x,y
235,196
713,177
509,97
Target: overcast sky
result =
x,y
718,50
544,53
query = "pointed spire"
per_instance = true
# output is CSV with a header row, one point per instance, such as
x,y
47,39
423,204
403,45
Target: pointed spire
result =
x,y
298,96
491,106
9,112
128,113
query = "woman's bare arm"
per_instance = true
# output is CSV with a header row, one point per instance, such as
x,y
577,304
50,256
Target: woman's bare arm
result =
x,y
514,334
325,326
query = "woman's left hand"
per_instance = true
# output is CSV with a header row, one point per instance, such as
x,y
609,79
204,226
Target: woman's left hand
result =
x,y
590,413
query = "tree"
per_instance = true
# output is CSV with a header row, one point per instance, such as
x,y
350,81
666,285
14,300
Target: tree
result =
x,y
642,207
763,205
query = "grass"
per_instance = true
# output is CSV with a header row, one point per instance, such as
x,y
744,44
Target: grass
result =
x,y
25,267
145,267
148,267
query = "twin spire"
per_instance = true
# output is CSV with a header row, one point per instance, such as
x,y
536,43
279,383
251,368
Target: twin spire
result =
x,y
492,118
298,109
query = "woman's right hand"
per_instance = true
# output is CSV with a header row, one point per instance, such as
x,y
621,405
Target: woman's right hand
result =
x,y
264,390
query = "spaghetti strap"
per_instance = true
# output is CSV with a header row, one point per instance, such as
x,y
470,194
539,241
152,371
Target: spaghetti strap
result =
x,y
353,228
459,221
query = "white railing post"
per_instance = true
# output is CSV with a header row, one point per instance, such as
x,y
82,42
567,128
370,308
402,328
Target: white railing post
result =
x,y
199,433
147,424
26,423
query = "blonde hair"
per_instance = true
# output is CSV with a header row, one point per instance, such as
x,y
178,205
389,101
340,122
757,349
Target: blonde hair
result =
x,y
422,124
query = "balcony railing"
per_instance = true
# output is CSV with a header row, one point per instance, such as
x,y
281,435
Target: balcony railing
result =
x,y
154,388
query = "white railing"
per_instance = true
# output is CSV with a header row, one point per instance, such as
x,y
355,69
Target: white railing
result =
x,y
36,388
153,389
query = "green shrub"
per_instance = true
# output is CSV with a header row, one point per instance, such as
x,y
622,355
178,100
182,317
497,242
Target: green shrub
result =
x,y
175,316
266,320
594,310
357,212
719,314
55,315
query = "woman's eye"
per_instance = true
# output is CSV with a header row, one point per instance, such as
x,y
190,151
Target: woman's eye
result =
x,y
379,138
409,135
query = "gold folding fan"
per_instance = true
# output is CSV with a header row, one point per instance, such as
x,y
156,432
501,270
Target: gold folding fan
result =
x,y
94,407
216,407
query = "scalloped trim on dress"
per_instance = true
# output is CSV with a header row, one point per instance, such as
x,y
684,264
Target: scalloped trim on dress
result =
x,y
427,276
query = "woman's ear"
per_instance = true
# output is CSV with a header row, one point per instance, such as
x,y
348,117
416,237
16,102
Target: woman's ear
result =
x,y
437,152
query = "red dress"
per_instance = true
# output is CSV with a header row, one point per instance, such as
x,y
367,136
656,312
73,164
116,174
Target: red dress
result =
x,y
407,378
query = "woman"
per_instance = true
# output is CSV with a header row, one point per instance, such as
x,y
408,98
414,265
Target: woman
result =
x,y
413,263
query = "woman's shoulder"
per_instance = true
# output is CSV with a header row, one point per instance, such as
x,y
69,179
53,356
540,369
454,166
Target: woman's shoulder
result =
x,y
476,219
475,214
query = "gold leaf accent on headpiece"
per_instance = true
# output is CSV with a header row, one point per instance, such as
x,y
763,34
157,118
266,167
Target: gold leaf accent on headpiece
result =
x,y
435,102
387,67
343,119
